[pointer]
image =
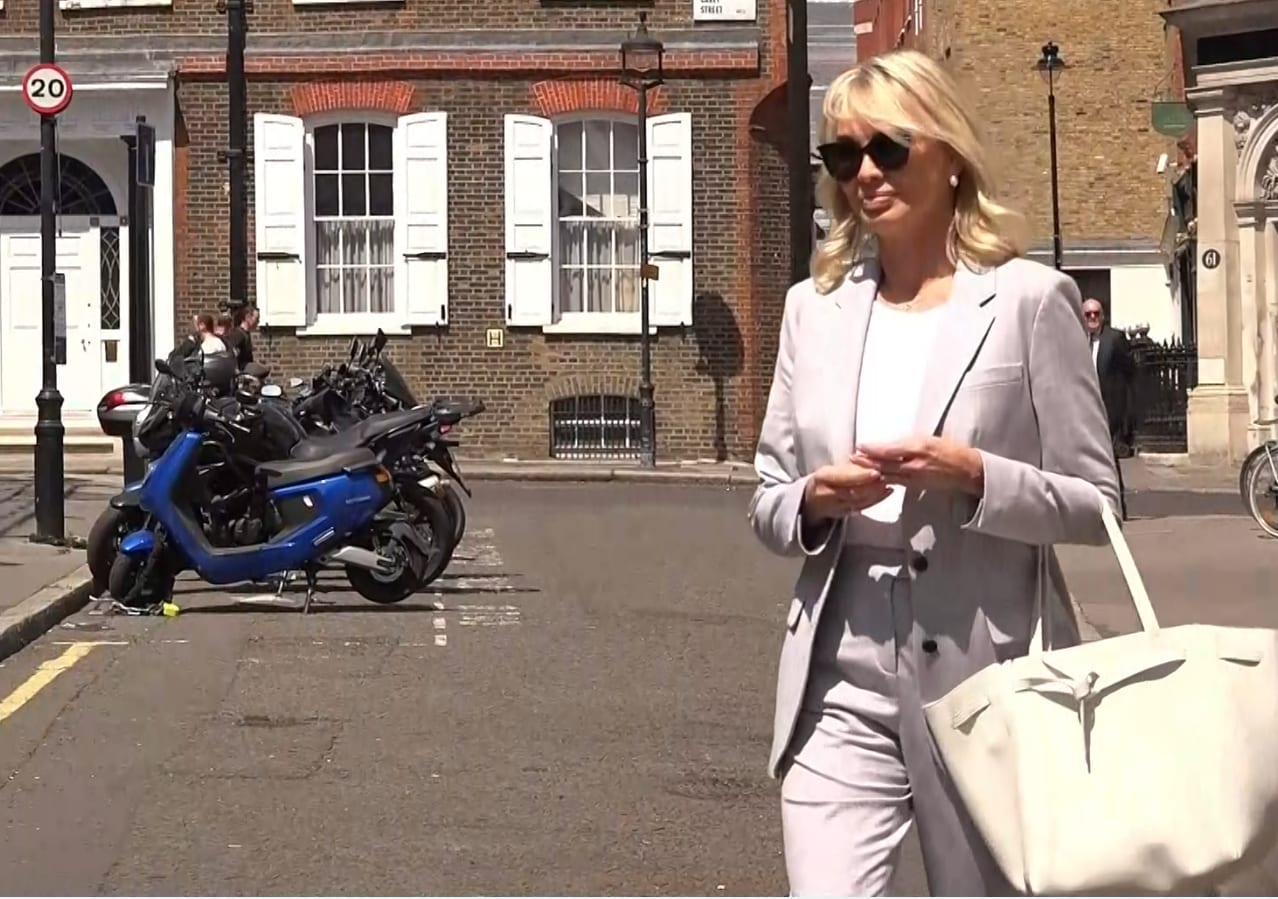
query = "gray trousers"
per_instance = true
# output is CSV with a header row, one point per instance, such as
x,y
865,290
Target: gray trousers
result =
x,y
862,766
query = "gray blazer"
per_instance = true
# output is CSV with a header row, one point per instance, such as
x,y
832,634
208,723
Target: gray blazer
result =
x,y
1012,376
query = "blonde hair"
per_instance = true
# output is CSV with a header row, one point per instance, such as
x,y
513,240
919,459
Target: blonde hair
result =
x,y
904,91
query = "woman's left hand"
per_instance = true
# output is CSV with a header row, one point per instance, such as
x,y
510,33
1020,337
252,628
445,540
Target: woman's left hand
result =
x,y
926,463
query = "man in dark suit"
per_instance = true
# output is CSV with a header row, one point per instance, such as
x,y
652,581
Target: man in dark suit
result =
x,y
1116,369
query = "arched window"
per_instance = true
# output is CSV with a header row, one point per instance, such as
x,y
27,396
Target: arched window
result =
x,y
81,191
598,215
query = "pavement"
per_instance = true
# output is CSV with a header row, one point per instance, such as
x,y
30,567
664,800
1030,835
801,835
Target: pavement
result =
x,y
581,706
1160,472
42,582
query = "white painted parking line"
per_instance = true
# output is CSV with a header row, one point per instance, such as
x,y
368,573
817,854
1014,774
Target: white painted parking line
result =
x,y
488,616
479,569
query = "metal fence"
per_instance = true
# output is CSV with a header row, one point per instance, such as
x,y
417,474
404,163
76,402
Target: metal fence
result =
x,y
1165,373
594,426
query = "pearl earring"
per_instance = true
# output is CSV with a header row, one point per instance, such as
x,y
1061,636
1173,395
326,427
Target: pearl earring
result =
x,y
953,180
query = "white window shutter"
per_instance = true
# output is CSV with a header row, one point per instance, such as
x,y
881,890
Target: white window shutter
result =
x,y
279,211
670,218
421,218
530,221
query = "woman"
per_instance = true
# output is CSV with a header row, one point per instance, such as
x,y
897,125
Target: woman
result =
x,y
934,420
208,336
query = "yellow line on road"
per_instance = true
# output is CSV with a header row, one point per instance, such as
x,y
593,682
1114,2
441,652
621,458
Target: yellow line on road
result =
x,y
45,675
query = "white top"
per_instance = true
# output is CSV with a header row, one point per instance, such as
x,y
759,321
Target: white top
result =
x,y
898,347
212,344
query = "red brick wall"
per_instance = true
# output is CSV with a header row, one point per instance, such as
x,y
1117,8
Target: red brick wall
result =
x,y
702,375
202,17
884,26
710,378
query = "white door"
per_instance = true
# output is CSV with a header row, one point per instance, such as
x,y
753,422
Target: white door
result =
x,y
112,309
78,258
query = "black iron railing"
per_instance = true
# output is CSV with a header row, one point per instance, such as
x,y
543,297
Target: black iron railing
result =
x,y
594,426
1165,373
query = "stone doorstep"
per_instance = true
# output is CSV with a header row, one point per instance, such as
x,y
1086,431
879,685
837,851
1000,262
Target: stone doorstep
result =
x,y
78,439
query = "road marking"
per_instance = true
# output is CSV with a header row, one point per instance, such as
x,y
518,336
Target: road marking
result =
x,y
91,642
488,616
45,675
441,638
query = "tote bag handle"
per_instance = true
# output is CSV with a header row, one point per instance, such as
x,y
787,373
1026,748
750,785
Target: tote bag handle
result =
x,y
1041,639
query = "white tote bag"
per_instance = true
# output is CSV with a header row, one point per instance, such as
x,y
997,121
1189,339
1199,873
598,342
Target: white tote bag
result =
x,y
1146,763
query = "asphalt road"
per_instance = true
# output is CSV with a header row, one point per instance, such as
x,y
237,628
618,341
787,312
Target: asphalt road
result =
x,y
583,707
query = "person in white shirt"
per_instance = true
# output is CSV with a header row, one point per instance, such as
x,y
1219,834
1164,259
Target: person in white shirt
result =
x,y
209,342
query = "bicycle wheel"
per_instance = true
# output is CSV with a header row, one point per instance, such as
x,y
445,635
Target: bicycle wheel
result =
x,y
1258,456
1262,498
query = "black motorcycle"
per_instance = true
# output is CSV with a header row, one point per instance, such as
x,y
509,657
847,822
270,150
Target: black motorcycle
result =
x,y
368,383
266,430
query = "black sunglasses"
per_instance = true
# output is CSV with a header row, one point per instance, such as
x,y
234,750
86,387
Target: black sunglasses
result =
x,y
843,157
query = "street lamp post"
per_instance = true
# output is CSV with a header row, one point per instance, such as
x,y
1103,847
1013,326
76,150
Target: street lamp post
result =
x,y
642,69
1049,64
49,433
799,143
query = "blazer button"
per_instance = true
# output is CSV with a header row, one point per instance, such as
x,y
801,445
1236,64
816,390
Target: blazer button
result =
x,y
929,646
919,563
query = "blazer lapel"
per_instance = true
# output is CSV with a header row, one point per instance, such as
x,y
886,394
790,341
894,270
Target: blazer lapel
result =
x,y
967,319
853,302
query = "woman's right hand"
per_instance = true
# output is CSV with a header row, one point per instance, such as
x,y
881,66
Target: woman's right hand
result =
x,y
835,491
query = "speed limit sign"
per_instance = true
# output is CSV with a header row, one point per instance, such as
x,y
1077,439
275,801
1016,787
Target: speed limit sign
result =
x,y
47,88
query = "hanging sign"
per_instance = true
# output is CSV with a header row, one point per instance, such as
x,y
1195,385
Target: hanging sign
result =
x,y
47,88
723,10
60,318
146,153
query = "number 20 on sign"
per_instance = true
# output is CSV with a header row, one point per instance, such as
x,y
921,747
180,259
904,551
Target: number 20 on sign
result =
x,y
47,89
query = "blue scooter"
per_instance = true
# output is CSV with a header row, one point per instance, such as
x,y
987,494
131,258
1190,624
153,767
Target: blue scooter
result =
x,y
323,511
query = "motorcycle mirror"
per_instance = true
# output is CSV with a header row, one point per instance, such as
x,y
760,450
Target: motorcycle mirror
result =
x,y
379,343
272,390
295,383
355,348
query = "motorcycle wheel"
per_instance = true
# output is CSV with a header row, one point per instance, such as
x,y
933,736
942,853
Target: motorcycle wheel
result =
x,y
104,543
125,571
457,512
1262,500
387,589
432,519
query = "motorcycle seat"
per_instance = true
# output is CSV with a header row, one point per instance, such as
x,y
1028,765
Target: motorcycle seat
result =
x,y
450,413
290,472
359,435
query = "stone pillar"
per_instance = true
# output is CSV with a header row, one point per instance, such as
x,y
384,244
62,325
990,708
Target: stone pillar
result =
x,y
1218,406
1257,321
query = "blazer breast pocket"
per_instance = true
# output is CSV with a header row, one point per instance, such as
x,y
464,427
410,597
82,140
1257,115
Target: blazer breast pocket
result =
x,y
993,376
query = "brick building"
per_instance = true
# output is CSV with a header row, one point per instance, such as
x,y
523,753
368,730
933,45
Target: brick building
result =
x,y
1114,201
445,171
